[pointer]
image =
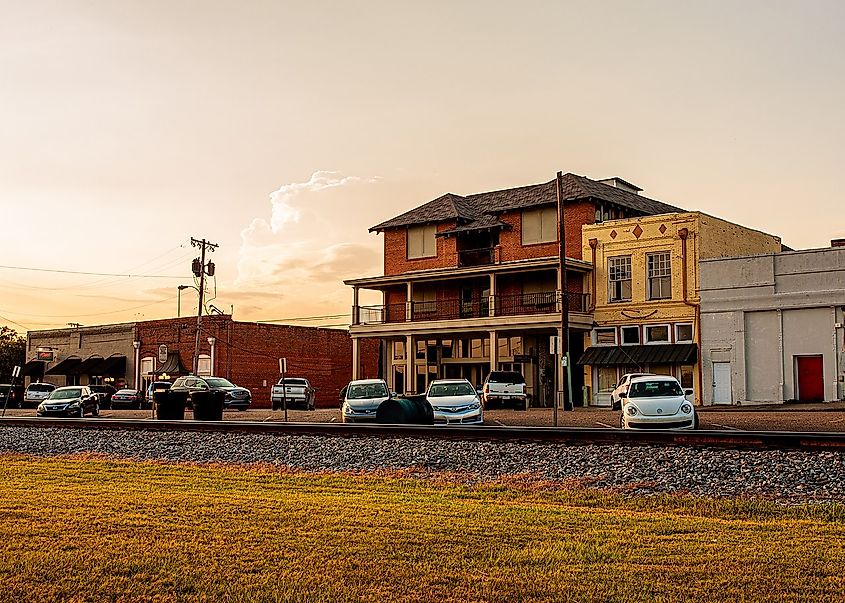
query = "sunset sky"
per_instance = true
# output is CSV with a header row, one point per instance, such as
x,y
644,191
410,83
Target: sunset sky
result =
x,y
283,130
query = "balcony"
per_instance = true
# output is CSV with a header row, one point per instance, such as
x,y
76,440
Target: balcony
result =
x,y
522,304
475,257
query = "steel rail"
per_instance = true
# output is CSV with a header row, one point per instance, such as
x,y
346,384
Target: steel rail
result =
x,y
772,440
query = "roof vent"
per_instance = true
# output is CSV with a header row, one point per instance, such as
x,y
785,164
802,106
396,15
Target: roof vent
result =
x,y
837,242
623,184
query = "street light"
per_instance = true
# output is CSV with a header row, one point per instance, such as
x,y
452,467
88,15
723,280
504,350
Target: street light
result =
x,y
181,288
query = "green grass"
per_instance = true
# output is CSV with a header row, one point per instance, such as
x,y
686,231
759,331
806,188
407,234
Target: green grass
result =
x,y
89,529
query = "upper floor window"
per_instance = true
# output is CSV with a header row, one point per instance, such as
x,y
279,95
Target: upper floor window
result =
x,y
604,336
204,365
659,275
421,241
539,225
619,278
683,332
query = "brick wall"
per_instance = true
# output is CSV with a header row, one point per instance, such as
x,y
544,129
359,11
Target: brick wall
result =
x,y
247,353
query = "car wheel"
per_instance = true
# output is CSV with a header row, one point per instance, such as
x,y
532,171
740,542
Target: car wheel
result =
x,y
81,413
621,422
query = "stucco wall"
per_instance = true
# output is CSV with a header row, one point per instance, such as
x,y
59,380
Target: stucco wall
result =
x,y
720,238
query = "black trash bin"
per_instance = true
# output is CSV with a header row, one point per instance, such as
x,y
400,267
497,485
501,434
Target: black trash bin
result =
x,y
409,410
208,405
170,406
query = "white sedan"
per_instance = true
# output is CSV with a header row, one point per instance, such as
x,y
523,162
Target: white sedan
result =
x,y
454,401
657,402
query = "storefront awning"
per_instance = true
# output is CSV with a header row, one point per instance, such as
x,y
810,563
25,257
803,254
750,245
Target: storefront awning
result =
x,y
65,366
114,366
173,366
664,353
84,367
33,368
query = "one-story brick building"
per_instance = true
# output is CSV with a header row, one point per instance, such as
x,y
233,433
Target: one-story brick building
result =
x,y
246,353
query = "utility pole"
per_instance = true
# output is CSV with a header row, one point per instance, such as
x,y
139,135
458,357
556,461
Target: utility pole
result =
x,y
200,270
564,314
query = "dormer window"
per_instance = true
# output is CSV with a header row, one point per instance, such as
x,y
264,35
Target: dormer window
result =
x,y
539,225
421,241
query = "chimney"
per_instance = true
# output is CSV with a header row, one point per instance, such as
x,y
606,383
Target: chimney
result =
x,y
623,184
837,242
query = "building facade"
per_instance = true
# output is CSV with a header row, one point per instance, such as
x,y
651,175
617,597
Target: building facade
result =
x,y
772,327
473,283
246,353
645,281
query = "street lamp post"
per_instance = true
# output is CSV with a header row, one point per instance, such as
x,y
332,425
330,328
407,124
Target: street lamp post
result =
x,y
181,288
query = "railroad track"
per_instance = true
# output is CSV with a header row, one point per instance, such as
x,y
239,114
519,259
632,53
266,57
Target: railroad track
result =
x,y
773,440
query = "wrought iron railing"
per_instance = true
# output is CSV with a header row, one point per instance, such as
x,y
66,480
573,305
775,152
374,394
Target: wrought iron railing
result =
x,y
475,257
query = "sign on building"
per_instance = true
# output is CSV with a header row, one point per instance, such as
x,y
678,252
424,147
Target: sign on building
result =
x,y
44,354
162,354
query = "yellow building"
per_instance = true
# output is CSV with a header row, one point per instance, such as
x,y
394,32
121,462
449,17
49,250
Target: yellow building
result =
x,y
644,289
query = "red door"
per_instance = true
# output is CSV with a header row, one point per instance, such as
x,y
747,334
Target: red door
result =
x,y
810,379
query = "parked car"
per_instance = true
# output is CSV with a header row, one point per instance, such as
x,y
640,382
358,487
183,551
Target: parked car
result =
x,y
296,390
362,399
235,397
105,392
154,386
37,392
622,388
15,394
657,402
70,401
130,398
454,401
504,388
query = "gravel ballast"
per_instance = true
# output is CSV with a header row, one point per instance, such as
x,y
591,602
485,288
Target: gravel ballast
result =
x,y
789,476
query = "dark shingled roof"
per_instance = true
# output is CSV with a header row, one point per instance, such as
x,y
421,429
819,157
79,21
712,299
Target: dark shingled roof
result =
x,y
480,206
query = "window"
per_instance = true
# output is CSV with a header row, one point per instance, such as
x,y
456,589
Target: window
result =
x,y
425,301
686,376
683,333
148,365
630,335
399,349
619,278
604,336
421,241
659,275
657,334
446,349
606,378
204,365
539,225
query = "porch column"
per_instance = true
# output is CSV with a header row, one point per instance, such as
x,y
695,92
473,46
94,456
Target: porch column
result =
x,y
494,351
355,359
409,304
492,304
410,364
560,372
356,314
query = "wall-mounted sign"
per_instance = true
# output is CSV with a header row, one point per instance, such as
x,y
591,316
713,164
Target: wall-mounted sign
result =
x,y
45,355
162,354
521,358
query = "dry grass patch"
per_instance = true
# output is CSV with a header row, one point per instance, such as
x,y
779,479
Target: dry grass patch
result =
x,y
98,530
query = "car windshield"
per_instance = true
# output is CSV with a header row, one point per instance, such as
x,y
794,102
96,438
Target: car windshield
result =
x,y
366,390
219,382
505,377
293,382
655,389
126,391
66,394
439,390
41,387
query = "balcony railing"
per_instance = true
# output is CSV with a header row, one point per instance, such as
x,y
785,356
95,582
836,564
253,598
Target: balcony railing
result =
x,y
475,257
548,302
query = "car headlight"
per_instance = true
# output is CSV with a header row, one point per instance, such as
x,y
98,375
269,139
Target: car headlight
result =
x,y
631,410
686,409
475,406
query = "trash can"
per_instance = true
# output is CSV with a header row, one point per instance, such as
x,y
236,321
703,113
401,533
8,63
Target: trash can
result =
x,y
409,410
170,406
208,405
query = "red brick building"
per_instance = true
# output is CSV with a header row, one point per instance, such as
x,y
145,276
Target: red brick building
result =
x,y
472,283
246,353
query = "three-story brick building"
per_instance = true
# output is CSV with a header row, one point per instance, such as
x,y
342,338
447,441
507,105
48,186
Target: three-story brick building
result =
x,y
472,283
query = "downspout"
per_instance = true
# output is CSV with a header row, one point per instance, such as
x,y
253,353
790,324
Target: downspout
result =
x,y
684,234
593,244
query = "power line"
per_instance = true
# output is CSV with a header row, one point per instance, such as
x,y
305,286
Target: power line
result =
x,y
304,318
161,301
90,273
9,320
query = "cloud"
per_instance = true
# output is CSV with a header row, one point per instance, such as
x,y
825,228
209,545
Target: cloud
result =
x,y
314,238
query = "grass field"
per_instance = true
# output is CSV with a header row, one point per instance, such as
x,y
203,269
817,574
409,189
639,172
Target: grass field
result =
x,y
88,529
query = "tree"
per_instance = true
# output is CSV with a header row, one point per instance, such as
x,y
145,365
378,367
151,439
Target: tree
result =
x,y
12,352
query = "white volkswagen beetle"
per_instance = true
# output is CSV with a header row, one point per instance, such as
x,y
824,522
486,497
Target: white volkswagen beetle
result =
x,y
657,402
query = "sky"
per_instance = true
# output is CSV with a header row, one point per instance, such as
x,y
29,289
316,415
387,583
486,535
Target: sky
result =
x,y
282,131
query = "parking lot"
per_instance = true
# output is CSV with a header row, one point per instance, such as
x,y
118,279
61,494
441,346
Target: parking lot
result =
x,y
820,417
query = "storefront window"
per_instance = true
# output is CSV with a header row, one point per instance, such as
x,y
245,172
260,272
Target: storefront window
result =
x,y
607,378
447,348
420,350
476,349
686,376
504,350
662,369
516,346
399,349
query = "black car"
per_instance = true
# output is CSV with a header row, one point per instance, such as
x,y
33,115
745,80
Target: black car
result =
x,y
70,401
105,392
235,397
130,398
